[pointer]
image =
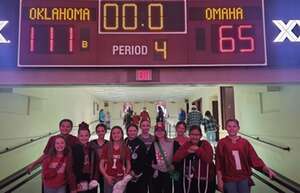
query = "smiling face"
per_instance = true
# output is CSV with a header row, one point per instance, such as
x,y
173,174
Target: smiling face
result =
x,y
132,132
195,136
232,128
160,133
180,130
116,134
145,127
59,145
65,127
84,136
100,132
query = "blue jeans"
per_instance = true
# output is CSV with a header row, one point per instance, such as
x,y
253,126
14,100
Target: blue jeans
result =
x,y
61,189
211,136
237,187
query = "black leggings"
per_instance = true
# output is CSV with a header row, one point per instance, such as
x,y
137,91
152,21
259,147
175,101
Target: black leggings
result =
x,y
162,183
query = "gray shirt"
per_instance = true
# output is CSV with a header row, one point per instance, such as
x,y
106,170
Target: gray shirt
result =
x,y
167,148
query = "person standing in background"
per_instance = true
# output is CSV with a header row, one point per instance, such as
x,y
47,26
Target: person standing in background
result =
x,y
160,115
107,120
210,127
144,115
101,116
135,119
181,115
194,117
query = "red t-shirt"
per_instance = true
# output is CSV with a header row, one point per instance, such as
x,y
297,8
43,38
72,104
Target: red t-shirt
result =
x,y
235,160
64,173
116,166
70,139
135,119
144,115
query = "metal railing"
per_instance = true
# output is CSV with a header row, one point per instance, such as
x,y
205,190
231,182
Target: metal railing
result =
x,y
8,149
286,148
281,180
17,175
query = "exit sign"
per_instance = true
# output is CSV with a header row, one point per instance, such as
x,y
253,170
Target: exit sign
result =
x,y
143,75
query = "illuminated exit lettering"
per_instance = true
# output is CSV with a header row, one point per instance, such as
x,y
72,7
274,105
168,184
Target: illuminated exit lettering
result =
x,y
286,30
2,38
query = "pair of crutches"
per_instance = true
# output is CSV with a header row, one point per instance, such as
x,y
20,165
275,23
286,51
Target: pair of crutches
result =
x,y
190,176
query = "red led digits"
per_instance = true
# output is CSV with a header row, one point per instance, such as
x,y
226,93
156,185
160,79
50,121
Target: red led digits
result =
x,y
223,39
71,39
51,39
32,38
228,44
245,38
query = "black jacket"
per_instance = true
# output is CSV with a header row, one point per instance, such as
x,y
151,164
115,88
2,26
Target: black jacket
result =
x,y
78,161
137,147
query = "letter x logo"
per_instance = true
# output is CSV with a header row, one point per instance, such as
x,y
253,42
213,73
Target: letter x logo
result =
x,y
2,39
287,30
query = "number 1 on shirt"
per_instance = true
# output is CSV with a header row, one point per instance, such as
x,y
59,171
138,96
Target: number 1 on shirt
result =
x,y
237,160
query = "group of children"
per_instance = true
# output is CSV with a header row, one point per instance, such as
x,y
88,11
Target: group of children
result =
x,y
155,163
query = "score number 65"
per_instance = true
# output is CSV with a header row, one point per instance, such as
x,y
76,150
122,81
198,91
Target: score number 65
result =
x,y
231,42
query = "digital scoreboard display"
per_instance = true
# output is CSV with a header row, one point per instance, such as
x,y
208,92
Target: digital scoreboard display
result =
x,y
135,33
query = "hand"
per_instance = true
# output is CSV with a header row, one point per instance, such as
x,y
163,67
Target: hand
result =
x,y
155,166
193,149
269,172
132,173
220,185
30,168
79,188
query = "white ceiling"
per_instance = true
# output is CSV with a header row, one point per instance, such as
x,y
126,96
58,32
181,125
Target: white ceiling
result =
x,y
149,93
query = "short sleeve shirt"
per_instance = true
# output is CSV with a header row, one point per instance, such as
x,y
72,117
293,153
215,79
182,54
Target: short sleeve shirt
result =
x,y
116,166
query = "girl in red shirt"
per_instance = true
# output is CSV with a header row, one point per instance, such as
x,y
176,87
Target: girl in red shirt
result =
x,y
196,157
57,169
235,157
115,159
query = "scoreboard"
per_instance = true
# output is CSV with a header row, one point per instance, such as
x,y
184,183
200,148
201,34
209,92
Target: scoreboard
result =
x,y
141,33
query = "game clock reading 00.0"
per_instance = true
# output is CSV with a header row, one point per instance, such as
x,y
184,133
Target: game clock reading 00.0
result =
x,y
132,33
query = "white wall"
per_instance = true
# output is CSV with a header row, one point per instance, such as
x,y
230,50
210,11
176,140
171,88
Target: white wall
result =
x,y
29,112
274,117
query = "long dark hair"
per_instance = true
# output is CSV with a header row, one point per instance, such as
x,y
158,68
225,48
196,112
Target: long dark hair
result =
x,y
52,151
180,123
111,143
